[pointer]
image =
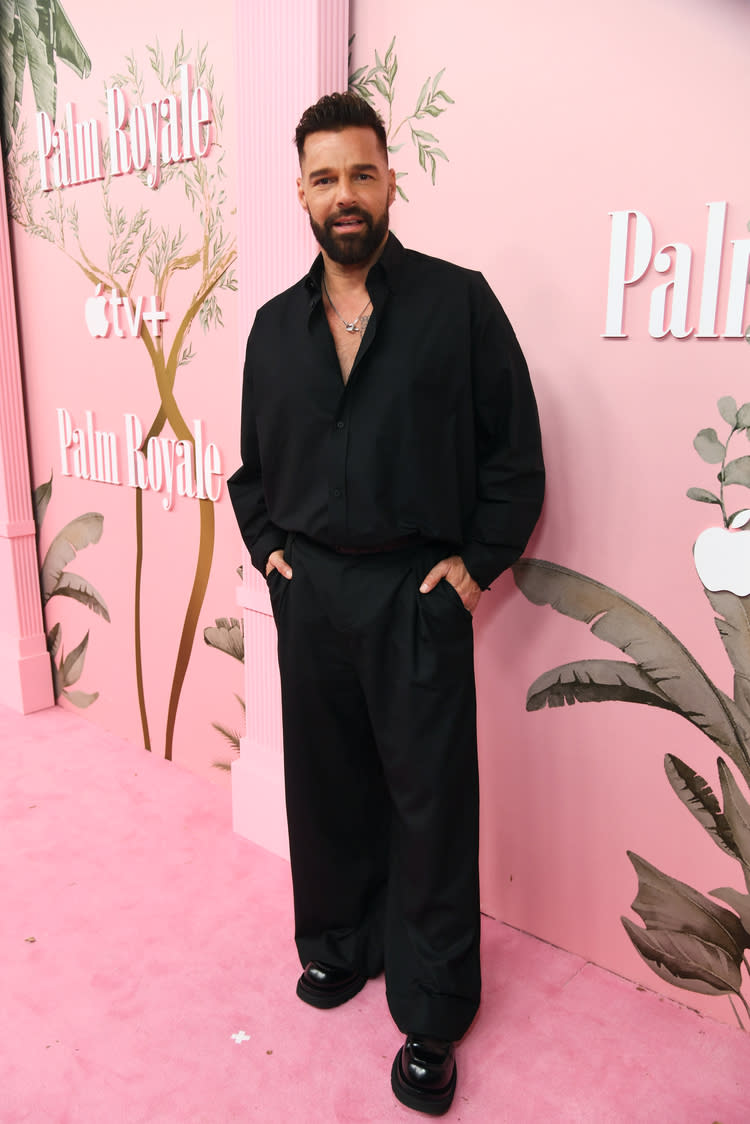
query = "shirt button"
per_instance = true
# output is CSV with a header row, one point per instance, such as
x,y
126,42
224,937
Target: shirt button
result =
x,y
339,425
337,493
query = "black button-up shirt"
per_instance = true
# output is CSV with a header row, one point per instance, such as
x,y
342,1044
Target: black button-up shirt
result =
x,y
435,433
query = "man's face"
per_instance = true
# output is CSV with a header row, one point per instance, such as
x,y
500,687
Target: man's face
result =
x,y
346,188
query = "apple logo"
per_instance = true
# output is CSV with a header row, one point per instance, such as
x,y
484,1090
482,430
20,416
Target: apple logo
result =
x,y
722,556
96,314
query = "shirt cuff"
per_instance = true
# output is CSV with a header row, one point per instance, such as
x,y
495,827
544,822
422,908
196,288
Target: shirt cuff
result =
x,y
485,563
273,538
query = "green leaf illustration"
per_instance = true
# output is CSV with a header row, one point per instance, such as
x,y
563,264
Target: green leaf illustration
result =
x,y
666,904
734,631
728,410
381,87
71,585
421,98
595,681
381,79
686,961
672,669
699,798
702,495
743,416
737,472
709,447
74,536
71,667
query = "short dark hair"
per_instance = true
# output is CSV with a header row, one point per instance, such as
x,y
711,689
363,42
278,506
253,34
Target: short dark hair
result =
x,y
334,112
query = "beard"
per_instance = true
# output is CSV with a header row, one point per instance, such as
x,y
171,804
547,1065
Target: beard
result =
x,y
350,249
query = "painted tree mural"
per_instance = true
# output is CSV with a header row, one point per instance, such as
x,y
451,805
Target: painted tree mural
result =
x,y
376,83
129,245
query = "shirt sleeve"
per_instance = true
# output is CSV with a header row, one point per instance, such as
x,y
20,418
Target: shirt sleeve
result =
x,y
510,467
261,536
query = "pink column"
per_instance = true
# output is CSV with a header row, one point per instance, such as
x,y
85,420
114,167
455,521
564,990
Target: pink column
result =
x,y
25,673
289,53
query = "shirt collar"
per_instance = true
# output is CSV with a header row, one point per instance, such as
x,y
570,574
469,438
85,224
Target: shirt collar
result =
x,y
388,266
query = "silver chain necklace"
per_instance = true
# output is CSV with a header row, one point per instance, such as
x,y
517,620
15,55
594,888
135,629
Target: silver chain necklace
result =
x,y
350,325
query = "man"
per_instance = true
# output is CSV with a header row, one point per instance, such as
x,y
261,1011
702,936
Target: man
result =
x,y
391,469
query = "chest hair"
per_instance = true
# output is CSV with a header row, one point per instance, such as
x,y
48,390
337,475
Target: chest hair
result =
x,y
346,343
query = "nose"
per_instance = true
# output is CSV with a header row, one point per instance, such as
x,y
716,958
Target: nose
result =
x,y
345,196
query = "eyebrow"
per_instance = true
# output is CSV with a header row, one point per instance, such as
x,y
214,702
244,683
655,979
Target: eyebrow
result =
x,y
354,168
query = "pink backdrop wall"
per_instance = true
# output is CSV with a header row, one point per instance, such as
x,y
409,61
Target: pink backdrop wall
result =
x,y
551,119
562,115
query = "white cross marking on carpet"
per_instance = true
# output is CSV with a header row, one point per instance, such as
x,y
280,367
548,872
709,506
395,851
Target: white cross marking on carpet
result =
x,y
240,1036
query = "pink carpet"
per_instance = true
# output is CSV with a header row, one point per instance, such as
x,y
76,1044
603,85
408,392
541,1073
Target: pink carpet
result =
x,y
149,972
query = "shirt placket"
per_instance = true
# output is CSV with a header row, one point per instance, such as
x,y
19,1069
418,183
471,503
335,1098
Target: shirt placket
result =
x,y
340,438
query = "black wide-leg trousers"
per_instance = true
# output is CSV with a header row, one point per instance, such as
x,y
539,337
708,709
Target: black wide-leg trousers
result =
x,y
380,763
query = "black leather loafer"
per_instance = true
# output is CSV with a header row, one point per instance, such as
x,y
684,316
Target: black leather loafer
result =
x,y
424,1074
324,987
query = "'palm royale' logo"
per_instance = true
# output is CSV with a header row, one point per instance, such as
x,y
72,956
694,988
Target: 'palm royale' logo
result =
x,y
190,468
167,130
631,257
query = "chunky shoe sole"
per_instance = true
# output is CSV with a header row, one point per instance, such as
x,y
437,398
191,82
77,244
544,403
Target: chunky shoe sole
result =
x,y
326,998
434,1102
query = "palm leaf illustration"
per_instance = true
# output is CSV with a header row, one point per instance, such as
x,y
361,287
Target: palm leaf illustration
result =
x,y
81,699
40,500
56,582
71,585
689,941
734,630
739,902
228,636
35,33
596,681
686,961
667,904
71,667
737,812
699,798
76,535
672,670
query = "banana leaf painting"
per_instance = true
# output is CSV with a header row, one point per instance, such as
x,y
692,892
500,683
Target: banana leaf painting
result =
x,y
688,940
34,34
228,635
57,581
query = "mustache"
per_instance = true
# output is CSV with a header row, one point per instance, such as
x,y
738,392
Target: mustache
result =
x,y
350,213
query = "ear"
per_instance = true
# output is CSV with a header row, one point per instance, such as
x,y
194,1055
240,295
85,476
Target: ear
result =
x,y
301,195
391,186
